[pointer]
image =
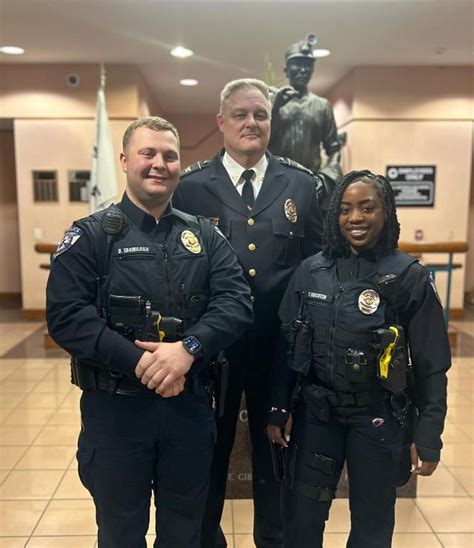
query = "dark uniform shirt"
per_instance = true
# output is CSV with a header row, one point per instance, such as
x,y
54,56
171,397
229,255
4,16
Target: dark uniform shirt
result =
x,y
151,260
422,318
283,227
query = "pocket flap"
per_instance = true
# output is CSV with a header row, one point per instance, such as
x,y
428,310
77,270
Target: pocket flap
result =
x,y
287,229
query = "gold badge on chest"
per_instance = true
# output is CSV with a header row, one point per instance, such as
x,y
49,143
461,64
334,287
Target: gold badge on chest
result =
x,y
290,210
190,241
369,301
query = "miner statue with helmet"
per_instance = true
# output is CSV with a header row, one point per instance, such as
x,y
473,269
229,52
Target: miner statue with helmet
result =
x,y
302,121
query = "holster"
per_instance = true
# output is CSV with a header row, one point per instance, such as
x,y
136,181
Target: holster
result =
x,y
219,369
133,317
396,380
82,375
279,455
300,337
317,401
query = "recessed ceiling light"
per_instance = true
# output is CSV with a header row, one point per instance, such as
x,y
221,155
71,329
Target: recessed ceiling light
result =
x,y
321,52
181,52
12,50
188,82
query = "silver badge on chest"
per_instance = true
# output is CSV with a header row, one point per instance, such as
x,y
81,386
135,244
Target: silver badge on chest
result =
x,y
369,301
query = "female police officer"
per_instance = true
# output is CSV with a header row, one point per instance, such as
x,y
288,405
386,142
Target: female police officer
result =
x,y
364,338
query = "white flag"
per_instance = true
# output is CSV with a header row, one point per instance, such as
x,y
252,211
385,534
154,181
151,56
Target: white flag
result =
x,y
103,185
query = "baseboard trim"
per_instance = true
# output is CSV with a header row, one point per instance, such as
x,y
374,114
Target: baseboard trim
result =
x,y
33,314
9,296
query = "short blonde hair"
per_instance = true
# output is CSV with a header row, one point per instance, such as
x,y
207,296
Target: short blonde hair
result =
x,y
152,122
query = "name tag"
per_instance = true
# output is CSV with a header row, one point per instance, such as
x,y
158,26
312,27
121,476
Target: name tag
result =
x,y
318,296
133,250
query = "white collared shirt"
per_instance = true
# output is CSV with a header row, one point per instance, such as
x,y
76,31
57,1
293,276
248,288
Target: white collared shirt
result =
x,y
235,171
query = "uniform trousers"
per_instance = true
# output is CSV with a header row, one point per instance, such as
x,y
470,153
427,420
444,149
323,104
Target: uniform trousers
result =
x,y
377,455
130,447
250,362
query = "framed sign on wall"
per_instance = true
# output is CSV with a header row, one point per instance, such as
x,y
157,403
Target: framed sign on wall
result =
x,y
414,186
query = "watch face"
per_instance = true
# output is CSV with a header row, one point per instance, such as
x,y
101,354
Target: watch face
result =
x,y
192,344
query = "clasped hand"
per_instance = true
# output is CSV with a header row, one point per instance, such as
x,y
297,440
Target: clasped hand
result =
x,y
163,367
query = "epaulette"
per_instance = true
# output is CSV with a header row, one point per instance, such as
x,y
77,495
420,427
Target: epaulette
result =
x,y
291,163
195,167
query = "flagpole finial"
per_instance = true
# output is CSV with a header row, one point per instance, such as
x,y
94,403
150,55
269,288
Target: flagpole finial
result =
x,y
102,76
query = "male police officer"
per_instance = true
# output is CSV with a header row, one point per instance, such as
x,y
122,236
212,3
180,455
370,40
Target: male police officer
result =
x,y
302,121
145,414
268,209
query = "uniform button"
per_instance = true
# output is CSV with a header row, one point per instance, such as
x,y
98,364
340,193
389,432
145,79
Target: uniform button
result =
x,y
252,299
251,221
252,272
291,233
252,247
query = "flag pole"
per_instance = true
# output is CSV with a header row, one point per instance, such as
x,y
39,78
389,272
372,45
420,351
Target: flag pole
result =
x,y
103,183
102,76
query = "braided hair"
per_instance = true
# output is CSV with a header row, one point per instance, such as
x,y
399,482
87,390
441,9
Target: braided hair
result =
x,y
334,244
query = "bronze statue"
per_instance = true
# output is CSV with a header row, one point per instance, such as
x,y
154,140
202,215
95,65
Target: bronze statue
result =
x,y
303,121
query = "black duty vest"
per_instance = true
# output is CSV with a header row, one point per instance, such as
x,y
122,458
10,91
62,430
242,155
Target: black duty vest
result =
x,y
344,316
173,277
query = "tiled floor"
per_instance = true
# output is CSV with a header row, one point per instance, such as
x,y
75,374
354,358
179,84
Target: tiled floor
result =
x,y
43,503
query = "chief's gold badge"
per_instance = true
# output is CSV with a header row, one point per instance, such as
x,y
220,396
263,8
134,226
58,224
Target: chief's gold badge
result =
x,y
190,241
369,301
290,210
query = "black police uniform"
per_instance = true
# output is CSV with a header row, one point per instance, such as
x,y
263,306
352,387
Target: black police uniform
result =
x,y
283,227
342,412
132,440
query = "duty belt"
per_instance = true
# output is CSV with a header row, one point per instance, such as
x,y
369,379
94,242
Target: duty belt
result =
x,y
116,383
342,399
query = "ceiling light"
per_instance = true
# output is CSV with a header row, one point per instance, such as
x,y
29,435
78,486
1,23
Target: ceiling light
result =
x,y
188,82
12,50
181,52
321,52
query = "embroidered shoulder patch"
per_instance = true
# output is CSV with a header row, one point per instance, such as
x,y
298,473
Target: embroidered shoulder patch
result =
x,y
70,238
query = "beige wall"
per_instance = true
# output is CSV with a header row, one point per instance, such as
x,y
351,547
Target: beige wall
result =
x,y
200,137
9,239
41,91
469,279
35,142
415,116
413,93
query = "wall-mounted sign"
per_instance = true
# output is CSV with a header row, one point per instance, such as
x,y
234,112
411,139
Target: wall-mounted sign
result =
x,y
414,186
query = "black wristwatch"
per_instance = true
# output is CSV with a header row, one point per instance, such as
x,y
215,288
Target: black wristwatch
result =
x,y
192,345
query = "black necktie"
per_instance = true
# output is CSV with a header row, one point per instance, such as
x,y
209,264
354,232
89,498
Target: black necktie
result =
x,y
247,190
